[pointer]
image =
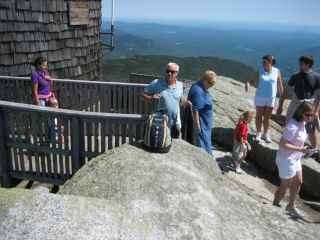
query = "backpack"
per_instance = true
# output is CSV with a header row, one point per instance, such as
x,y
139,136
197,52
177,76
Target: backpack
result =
x,y
157,134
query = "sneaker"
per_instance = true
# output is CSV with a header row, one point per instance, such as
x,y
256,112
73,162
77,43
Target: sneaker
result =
x,y
266,138
294,211
258,137
238,170
237,167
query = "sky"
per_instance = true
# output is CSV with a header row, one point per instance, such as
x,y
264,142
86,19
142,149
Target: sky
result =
x,y
273,11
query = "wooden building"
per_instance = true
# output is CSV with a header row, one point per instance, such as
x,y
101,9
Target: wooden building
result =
x,y
67,33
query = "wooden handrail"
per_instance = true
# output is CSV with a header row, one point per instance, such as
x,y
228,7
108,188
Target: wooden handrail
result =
x,y
89,96
57,152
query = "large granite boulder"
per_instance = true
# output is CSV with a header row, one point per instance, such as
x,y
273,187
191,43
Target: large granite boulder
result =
x,y
230,100
129,193
181,195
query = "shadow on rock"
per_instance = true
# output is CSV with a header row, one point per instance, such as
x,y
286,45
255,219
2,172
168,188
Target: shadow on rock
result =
x,y
280,120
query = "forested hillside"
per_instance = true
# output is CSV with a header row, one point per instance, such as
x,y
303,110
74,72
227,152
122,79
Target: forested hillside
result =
x,y
118,70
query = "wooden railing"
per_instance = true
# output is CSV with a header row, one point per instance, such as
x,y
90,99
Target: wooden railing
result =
x,y
100,116
89,96
57,152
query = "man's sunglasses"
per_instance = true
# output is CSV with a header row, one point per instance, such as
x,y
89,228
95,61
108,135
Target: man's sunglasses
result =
x,y
171,71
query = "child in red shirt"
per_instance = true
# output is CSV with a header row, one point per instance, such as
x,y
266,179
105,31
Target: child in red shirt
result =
x,y
241,146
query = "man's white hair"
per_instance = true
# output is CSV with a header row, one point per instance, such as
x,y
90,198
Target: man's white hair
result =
x,y
172,64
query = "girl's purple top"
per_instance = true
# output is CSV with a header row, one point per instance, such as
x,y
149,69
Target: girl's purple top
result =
x,y
43,85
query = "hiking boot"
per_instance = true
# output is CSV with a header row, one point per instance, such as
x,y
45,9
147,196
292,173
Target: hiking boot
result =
x,y
294,211
258,137
266,138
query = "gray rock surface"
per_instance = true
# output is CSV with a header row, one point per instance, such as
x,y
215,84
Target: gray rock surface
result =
x,y
230,100
311,177
183,197
257,184
28,214
128,193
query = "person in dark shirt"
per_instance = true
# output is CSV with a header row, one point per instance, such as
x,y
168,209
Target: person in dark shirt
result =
x,y
305,83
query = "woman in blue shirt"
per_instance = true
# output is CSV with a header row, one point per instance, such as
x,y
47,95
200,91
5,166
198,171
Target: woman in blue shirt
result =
x,y
269,78
202,104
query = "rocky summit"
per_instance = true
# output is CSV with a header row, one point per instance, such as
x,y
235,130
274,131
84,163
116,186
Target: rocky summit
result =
x,y
129,193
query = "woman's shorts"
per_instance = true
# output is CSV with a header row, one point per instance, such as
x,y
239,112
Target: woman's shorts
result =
x,y
288,168
264,101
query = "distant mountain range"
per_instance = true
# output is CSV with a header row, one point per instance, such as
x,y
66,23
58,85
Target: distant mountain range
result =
x,y
245,46
129,45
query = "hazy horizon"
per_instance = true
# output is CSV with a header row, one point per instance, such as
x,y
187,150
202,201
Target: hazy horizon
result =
x,y
287,12
219,25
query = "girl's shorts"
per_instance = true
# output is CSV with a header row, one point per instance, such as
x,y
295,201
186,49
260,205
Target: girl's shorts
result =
x,y
288,168
42,102
264,101
237,152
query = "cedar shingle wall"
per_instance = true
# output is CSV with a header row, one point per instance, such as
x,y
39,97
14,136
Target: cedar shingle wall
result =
x,y
30,28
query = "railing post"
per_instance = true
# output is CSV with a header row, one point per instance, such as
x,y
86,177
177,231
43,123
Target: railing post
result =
x,y
75,144
4,157
154,105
